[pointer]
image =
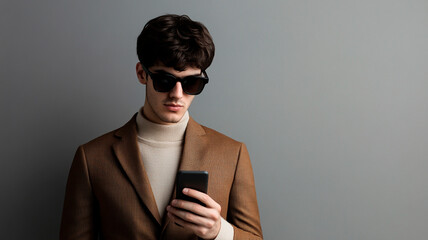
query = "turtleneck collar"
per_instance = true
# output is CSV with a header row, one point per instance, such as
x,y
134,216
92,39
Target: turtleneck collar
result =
x,y
162,133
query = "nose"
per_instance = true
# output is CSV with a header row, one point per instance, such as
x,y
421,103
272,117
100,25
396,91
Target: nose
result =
x,y
177,91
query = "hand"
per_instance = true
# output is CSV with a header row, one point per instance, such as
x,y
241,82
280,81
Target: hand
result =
x,y
203,221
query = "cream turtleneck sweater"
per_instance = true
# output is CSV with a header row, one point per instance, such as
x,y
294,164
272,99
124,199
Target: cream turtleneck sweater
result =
x,y
160,150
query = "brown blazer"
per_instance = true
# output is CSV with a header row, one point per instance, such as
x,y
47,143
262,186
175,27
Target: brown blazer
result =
x,y
108,192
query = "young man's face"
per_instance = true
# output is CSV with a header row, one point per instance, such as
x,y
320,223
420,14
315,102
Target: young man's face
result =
x,y
165,107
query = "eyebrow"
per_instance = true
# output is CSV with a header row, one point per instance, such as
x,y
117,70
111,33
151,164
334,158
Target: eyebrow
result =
x,y
162,71
165,72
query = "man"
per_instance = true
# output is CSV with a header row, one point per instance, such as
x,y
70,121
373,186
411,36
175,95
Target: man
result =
x,y
121,185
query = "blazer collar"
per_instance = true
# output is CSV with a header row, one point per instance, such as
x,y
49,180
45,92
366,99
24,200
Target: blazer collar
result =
x,y
127,152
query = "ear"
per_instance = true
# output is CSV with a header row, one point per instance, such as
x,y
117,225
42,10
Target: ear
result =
x,y
141,74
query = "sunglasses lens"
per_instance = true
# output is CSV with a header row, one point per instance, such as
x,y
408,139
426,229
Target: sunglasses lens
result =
x,y
163,83
193,85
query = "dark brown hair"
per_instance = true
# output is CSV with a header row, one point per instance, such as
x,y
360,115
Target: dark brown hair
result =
x,y
175,41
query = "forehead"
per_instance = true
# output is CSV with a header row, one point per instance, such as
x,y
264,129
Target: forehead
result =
x,y
187,72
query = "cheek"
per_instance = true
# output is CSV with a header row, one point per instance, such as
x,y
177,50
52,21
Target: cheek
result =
x,y
152,96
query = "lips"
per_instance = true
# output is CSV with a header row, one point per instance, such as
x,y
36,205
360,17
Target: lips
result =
x,y
173,107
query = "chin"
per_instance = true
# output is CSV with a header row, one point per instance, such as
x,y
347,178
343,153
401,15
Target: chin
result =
x,y
172,118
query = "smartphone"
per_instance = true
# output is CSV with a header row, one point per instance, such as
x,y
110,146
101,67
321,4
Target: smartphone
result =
x,y
197,180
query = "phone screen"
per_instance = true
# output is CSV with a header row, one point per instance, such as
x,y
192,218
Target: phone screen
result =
x,y
197,180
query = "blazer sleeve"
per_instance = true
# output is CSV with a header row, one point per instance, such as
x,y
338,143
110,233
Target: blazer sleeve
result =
x,y
243,212
78,216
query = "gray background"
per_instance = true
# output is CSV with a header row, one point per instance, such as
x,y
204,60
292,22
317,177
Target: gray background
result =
x,y
330,97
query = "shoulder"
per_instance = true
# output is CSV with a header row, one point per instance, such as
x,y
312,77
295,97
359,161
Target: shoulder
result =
x,y
108,139
214,137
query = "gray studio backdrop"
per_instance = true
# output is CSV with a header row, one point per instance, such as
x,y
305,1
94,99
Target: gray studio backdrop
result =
x,y
330,97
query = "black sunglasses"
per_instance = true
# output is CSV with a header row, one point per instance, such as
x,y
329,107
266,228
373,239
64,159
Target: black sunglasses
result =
x,y
165,82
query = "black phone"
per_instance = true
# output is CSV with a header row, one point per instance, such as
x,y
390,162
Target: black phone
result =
x,y
197,180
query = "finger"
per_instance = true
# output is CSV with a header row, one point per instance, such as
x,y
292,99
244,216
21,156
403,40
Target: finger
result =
x,y
196,209
190,217
203,197
198,230
203,232
190,206
180,222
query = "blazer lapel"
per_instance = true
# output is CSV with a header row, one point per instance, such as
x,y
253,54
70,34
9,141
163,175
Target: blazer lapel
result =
x,y
127,152
194,147
192,158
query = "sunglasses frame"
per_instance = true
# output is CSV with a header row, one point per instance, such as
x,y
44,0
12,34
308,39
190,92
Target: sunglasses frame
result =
x,y
204,79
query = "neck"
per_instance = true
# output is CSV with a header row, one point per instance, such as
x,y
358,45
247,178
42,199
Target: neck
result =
x,y
159,132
